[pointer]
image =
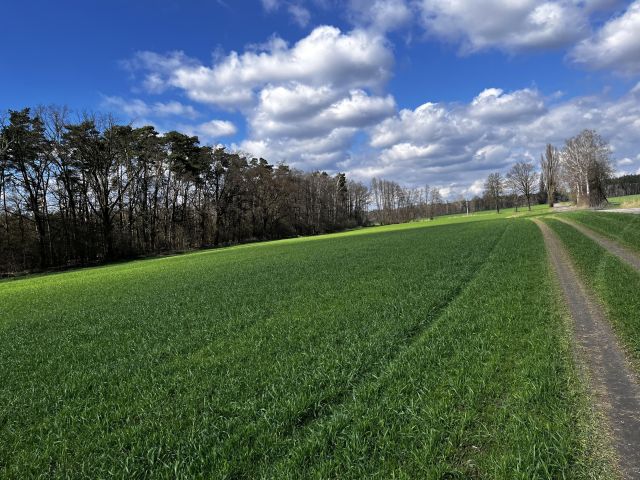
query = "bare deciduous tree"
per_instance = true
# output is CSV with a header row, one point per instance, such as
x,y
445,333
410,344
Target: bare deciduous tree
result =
x,y
512,184
522,177
586,167
494,188
550,164
436,201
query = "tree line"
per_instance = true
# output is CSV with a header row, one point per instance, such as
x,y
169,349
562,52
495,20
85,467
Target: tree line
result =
x,y
624,185
93,190
394,203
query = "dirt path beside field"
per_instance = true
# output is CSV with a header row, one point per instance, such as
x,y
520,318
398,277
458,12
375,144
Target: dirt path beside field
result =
x,y
634,210
611,246
616,390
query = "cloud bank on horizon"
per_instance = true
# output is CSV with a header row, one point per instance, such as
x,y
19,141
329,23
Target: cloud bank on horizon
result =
x,y
323,100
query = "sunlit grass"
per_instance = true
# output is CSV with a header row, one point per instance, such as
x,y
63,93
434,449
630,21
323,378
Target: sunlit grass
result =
x,y
628,201
433,347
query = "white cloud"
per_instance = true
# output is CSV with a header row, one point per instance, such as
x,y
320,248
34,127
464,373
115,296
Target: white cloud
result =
x,y
458,145
304,102
615,46
210,131
430,154
270,5
137,108
476,188
380,15
357,110
493,104
321,153
295,101
217,128
506,24
430,121
299,14
357,59
318,130
174,108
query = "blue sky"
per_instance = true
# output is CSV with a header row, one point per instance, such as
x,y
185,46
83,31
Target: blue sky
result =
x,y
420,91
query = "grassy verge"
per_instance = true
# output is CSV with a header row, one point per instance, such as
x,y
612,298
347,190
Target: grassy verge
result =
x,y
622,227
616,284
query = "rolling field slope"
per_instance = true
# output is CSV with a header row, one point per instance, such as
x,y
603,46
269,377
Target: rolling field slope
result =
x,y
398,351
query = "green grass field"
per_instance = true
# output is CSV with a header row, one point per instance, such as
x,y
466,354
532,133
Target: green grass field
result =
x,y
616,284
429,350
628,200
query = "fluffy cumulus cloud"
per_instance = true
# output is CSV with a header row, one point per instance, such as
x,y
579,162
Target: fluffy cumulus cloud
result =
x,y
274,118
321,103
211,130
507,24
309,127
327,56
303,102
615,46
321,153
456,146
494,105
165,116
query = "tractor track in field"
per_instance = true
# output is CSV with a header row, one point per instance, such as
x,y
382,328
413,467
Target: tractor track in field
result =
x,y
330,404
615,388
613,247
320,409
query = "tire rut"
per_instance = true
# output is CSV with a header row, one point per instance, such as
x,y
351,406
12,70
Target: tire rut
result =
x,y
616,390
328,406
613,247
317,411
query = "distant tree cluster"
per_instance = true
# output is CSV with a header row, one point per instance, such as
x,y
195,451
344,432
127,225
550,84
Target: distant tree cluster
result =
x,y
581,171
393,203
75,193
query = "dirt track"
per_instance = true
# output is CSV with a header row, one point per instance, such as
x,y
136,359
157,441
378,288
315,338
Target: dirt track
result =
x,y
622,210
611,246
616,390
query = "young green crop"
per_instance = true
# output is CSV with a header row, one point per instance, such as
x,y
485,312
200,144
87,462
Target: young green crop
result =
x,y
239,361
